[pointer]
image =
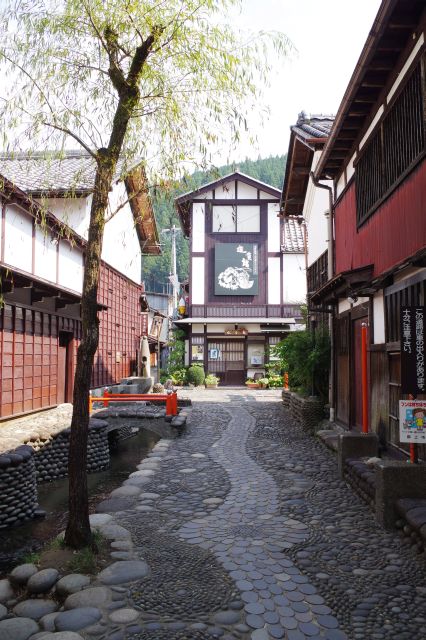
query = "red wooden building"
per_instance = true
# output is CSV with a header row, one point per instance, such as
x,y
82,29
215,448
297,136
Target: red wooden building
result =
x,y
376,159
41,264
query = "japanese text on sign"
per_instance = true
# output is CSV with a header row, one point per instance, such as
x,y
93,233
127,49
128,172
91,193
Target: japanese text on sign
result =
x,y
413,350
412,421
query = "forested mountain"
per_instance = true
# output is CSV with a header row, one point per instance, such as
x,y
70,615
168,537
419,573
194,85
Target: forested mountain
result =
x,y
156,269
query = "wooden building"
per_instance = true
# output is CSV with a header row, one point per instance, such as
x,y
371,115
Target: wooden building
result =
x,y
309,204
247,276
44,224
375,157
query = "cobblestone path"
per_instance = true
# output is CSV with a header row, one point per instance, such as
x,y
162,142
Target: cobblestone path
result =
x,y
249,533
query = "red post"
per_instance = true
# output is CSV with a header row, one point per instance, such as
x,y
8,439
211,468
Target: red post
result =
x,y
169,409
175,404
364,378
106,394
285,380
90,403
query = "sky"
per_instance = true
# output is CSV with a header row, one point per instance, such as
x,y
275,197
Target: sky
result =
x,y
329,36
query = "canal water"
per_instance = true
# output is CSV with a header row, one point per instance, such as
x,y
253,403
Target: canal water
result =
x,y
18,542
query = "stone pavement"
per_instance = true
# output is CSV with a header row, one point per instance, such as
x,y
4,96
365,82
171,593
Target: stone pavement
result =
x,y
246,531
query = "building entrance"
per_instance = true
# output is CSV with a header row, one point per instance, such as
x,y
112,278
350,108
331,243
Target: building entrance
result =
x,y
226,361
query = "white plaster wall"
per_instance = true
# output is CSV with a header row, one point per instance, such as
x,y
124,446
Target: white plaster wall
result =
x,y
218,328
274,280
246,191
225,191
198,227
18,240
345,305
274,228
294,278
341,184
121,248
45,258
350,169
379,318
186,359
316,204
197,328
74,212
70,267
197,286
265,196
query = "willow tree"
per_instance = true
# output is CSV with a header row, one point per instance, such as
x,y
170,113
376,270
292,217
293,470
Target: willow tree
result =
x,y
161,80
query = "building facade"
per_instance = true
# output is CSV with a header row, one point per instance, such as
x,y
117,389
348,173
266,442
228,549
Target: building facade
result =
x,y
376,158
42,263
247,276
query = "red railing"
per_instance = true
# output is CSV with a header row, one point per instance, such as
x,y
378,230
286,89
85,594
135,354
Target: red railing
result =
x,y
170,398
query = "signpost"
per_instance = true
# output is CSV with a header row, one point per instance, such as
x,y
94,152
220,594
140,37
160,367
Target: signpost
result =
x,y
412,413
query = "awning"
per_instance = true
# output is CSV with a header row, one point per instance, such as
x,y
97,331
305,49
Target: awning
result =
x,y
239,321
344,284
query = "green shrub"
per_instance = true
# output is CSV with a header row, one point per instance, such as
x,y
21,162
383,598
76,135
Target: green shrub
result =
x,y
178,376
275,381
211,379
196,375
305,355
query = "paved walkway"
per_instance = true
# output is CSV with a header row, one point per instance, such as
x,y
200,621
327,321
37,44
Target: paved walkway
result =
x,y
248,533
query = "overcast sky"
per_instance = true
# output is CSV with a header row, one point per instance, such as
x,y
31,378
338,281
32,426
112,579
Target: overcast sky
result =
x,y
329,36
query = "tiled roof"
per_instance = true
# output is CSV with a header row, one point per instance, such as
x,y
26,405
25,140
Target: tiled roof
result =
x,y
74,171
293,237
314,126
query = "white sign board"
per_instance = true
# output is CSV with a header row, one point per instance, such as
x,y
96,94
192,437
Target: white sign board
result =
x,y
412,421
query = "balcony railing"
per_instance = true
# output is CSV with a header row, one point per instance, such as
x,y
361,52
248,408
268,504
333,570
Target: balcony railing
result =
x,y
246,311
318,273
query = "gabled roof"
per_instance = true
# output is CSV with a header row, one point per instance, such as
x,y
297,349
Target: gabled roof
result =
x,y
307,135
72,175
293,241
183,202
396,24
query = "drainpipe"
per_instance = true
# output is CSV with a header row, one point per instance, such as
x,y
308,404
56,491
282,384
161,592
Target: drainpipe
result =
x,y
330,274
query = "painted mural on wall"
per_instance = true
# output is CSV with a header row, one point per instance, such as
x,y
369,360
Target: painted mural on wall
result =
x,y
236,269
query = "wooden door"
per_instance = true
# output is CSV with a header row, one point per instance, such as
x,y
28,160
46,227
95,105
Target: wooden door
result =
x,y
226,361
356,386
65,367
62,373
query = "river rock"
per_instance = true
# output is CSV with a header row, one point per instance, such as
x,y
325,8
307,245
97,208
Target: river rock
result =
x,y
3,611
77,618
125,571
21,574
99,519
6,591
115,532
34,608
47,623
42,581
64,635
95,596
129,490
71,584
124,616
17,628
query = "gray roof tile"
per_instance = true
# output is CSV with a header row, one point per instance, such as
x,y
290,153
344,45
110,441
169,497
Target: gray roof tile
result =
x,y
293,237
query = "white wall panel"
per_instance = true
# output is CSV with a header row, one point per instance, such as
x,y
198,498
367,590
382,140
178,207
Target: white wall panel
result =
x,y
274,228
248,218
197,328
45,259
225,191
379,318
294,278
198,227
70,269
18,241
265,196
246,191
274,280
197,287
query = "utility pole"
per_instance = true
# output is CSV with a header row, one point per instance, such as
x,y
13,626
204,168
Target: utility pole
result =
x,y
173,270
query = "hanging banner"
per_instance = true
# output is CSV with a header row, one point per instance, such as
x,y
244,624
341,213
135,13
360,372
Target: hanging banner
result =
x,y
236,269
413,327
412,421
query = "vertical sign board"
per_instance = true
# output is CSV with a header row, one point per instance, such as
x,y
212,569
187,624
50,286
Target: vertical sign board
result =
x,y
144,323
412,413
413,326
412,421
236,269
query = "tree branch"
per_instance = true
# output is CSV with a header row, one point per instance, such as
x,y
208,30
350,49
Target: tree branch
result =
x,y
73,135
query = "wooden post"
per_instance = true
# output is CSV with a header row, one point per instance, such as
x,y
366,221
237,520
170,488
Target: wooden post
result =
x,y
364,370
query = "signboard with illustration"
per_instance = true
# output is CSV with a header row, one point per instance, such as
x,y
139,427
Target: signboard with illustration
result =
x,y
412,421
413,326
236,269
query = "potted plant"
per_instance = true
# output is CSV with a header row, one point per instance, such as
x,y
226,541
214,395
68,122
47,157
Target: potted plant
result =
x,y
251,383
211,381
263,383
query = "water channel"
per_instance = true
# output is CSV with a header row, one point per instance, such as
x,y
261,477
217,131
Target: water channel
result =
x,y
18,542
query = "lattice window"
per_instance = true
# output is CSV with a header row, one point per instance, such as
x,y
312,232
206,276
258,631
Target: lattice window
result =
x,y
398,143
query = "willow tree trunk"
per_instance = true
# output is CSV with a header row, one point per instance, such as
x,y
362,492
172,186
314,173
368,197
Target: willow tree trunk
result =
x,y
78,533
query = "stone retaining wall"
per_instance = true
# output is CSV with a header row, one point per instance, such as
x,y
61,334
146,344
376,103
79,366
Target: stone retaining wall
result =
x,y
307,411
18,487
